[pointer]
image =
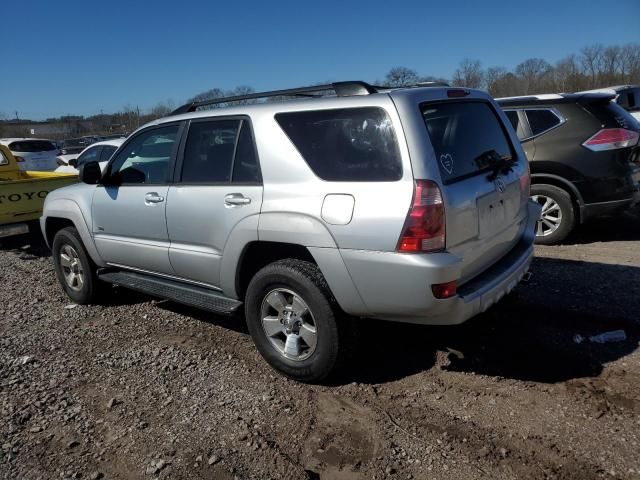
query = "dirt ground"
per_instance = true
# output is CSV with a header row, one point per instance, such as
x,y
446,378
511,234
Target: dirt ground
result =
x,y
141,389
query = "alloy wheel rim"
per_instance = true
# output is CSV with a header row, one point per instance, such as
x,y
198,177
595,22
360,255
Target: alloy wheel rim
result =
x,y
289,324
71,268
550,217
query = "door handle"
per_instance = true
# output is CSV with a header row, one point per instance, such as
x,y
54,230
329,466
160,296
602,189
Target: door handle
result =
x,y
236,199
153,197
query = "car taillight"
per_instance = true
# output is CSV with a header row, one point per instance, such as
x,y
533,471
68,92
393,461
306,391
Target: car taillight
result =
x,y
424,228
612,139
19,159
444,290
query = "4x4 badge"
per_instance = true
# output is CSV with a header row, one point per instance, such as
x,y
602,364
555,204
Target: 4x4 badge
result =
x,y
500,186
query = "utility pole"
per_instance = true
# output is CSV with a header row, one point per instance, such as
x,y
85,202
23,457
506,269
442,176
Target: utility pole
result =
x,y
138,112
17,115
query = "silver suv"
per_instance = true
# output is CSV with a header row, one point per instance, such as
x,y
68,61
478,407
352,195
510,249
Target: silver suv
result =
x,y
400,204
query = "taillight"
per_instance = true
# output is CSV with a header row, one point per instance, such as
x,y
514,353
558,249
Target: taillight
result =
x,y
19,159
444,290
424,228
612,139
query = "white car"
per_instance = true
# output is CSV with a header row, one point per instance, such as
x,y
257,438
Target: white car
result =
x,y
33,153
97,152
627,96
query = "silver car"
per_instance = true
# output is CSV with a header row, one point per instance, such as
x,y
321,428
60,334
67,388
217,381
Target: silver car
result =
x,y
350,201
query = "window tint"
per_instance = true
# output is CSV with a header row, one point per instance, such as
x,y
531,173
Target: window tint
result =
x,y
541,120
3,159
146,158
512,115
245,166
208,154
89,155
107,151
466,136
351,144
31,146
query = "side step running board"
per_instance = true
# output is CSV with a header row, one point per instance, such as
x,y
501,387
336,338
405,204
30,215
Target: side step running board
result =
x,y
191,295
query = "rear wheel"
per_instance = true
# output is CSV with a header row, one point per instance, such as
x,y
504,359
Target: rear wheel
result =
x,y
557,218
74,269
294,320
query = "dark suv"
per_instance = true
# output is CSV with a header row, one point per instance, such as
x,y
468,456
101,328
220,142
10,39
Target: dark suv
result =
x,y
583,154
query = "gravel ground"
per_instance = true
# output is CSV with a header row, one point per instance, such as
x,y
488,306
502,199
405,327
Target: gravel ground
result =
x,y
141,389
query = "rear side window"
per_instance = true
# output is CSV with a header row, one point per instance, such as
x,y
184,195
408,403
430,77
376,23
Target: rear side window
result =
x,y
220,151
512,115
541,120
466,136
31,146
346,145
630,99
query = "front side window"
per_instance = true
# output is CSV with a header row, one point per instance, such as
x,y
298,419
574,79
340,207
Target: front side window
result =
x,y
89,155
146,158
466,137
3,159
106,152
346,145
541,120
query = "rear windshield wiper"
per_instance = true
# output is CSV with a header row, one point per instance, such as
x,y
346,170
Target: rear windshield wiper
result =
x,y
496,162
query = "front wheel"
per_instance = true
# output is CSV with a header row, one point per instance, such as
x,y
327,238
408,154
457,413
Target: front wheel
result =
x,y
74,269
557,218
294,320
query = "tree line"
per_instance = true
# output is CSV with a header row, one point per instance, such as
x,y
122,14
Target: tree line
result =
x,y
594,66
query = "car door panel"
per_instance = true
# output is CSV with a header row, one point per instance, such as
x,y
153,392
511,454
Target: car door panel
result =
x,y
129,230
199,238
129,212
218,185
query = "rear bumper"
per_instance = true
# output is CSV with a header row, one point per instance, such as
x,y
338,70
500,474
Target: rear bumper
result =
x,y
397,287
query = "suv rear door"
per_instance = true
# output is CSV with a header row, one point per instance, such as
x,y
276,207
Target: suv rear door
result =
x,y
217,187
456,141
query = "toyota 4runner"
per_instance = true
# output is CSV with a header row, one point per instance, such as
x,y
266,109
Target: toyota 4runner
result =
x,y
406,204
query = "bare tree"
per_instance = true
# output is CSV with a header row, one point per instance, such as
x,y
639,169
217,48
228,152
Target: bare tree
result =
x,y
469,74
590,57
534,73
401,77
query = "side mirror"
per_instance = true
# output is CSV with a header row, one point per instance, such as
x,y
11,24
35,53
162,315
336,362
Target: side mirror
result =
x,y
73,163
90,172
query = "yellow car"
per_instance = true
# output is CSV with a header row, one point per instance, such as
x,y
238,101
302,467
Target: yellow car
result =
x,y
22,193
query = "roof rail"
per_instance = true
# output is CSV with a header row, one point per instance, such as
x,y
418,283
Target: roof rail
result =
x,y
341,89
413,85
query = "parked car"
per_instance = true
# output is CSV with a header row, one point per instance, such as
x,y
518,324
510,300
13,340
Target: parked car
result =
x,y
584,157
22,193
33,154
71,148
627,96
98,152
406,204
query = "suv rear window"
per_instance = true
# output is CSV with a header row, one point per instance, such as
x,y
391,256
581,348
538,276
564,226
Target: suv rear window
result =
x,y
630,99
30,146
346,145
465,137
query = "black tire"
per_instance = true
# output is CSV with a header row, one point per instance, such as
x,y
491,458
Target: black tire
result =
x,y
333,339
91,288
563,200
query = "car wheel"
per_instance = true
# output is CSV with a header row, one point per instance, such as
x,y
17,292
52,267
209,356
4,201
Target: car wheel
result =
x,y
74,269
295,321
557,218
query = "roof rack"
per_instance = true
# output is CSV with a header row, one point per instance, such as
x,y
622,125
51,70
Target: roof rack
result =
x,y
341,89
